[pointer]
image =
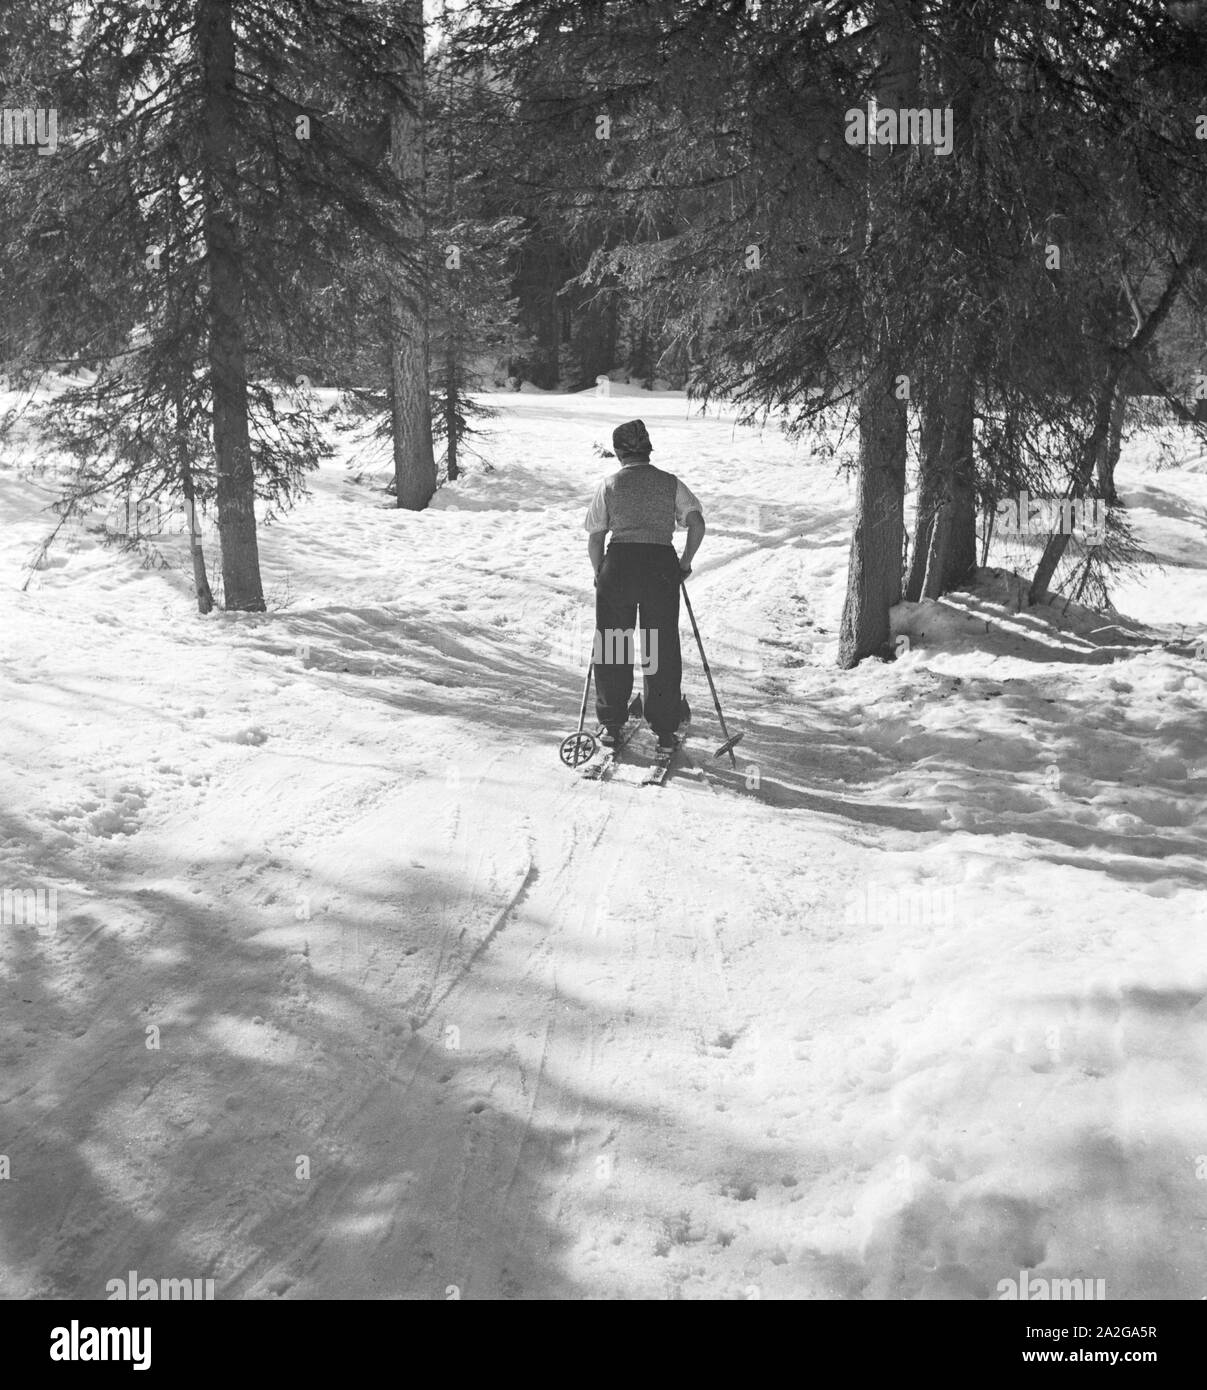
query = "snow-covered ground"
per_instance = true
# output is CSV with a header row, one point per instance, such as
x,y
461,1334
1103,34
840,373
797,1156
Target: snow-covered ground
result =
x,y
352,989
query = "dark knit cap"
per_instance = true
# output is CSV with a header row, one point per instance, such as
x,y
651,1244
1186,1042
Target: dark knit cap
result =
x,y
631,438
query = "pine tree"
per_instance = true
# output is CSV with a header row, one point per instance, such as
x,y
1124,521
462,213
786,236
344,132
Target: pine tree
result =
x,y
874,566
408,347
191,240
475,245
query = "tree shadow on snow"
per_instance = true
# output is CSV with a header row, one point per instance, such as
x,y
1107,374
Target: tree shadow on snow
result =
x,y
433,1171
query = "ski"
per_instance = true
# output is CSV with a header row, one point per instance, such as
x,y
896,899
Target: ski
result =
x,y
600,769
663,762
601,766
603,760
661,768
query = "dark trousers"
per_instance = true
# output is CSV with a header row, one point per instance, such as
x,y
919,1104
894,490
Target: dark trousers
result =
x,y
638,581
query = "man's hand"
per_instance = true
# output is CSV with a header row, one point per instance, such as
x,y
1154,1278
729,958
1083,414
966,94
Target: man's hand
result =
x,y
595,552
695,534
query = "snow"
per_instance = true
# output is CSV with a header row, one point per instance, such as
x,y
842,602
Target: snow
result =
x,y
913,1000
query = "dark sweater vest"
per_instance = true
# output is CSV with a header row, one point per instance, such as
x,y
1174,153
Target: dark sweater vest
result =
x,y
641,505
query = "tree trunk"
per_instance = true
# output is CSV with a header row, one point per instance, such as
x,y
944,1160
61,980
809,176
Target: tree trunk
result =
x,y
235,478
1108,455
201,579
929,492
874,566
961,564
951,558
971,53
944,552
451,424
410,402
452,352
988,539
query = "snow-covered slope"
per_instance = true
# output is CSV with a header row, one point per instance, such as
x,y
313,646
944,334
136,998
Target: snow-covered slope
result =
x,y
355,991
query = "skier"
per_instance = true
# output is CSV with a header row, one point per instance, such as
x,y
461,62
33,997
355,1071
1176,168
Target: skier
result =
x,y
641,505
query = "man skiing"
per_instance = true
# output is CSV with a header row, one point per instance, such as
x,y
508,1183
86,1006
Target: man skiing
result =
x,y
641,505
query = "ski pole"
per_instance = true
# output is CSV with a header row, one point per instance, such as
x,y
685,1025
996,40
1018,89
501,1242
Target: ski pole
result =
x,y
730,743
582,712
580,746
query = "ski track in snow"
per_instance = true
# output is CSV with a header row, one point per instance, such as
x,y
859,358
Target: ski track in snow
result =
x,y
536,1037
